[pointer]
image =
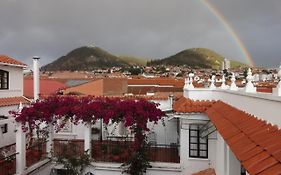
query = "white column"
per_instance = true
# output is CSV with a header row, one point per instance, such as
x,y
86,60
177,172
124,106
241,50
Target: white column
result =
x,y
233,165
88,138
184,146
221,160
50,142
21,150
36,77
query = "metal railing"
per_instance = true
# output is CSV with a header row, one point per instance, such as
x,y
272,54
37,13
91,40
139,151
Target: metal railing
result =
x,y
68,147
36,153
118,151
8,165
111,151
164,153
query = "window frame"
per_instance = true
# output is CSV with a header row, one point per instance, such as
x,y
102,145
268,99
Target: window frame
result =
x,y
198,142
4,80
4,128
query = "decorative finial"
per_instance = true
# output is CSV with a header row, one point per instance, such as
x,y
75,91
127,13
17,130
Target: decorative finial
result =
x,y
191,75
250,86
186,83
223,85
233,85
213,80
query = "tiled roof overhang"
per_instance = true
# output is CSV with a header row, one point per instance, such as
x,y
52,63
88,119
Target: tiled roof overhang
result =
x,y
11,101
5,60
255,143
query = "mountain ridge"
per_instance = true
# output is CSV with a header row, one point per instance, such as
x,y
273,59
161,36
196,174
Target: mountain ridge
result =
x,y
88,58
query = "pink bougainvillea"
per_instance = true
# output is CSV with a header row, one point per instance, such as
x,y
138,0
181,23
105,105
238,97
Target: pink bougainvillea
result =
x,y
135,113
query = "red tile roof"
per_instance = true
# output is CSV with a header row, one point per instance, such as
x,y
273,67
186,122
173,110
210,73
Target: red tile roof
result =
x,y
47,87
10,101
157,81
184,105
255,143
8,60
209,171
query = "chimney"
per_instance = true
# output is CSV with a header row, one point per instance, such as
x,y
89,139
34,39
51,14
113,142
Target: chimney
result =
x,y
36,77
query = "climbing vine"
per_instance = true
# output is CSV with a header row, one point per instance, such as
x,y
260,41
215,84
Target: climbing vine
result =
x,y
135,114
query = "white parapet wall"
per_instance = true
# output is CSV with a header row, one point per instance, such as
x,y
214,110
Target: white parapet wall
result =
x,y
263,105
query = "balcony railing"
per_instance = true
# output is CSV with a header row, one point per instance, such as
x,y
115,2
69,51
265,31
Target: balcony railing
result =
x,y
111,151
118,151
164,153
36,153
73,146
8,165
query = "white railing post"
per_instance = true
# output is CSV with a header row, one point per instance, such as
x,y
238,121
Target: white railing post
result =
x,y
88,138
20,150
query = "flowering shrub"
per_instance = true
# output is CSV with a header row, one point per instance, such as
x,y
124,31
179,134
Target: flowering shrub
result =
x,y
56,110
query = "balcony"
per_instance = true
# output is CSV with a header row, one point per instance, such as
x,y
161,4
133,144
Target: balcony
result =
x,y
119,151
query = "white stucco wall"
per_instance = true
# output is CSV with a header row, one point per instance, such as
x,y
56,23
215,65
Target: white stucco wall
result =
x,y
9,137
15,82
193,165
262,105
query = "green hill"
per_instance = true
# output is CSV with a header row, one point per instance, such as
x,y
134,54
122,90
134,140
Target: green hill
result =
x,y
132,60
196,58
85,58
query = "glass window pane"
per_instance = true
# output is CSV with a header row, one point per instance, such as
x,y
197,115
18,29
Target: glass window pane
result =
x,y
193,133
203,147
203,140
193,146
193,140
203,153
193,153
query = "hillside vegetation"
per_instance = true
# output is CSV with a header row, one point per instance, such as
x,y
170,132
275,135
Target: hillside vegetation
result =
x,y
132,60
195,58
91,58
85,58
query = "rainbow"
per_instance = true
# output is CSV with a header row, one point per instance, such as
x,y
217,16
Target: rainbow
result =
x,y
230,30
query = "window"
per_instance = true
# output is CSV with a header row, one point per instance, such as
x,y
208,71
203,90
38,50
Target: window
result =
x,y
4,79
198,147
4,128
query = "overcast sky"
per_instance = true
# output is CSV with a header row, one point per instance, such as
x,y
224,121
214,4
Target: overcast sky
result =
x,y
145,28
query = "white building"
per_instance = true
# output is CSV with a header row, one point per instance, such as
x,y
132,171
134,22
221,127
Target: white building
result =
x,y
11,95
217,129
225,64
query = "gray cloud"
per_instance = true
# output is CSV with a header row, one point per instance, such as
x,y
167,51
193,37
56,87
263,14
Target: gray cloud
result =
x,y
148,28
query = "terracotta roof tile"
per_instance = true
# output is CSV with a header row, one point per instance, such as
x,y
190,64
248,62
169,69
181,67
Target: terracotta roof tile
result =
x,y
47,87
10,101
8,60
184,105
209,171
255,143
